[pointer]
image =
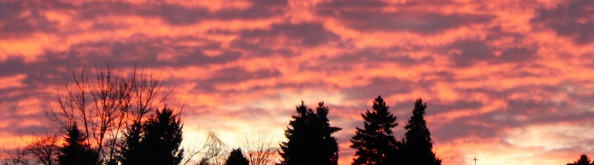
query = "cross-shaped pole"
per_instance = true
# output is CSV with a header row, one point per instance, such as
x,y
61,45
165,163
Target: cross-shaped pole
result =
x,y
475,159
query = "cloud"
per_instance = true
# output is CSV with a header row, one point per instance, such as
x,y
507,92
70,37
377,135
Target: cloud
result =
x,y
232,76
470,52
259,9
18,22
395,55
368,16
489,70
178,14
570,19
302,34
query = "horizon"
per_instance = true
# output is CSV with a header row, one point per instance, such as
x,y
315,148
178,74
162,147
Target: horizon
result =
x,y
506,82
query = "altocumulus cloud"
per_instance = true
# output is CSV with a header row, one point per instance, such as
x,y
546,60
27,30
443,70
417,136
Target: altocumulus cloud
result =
x,y
491,72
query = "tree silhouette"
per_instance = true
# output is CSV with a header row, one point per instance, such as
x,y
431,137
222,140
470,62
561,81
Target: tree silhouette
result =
x,y
260,149
375,143
236,158
326,147
584,160
44,149
105,105
131,152
418,148
310,138
162,138
214,147
75,151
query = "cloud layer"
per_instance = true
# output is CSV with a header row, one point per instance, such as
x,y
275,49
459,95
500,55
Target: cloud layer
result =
x,y
509,82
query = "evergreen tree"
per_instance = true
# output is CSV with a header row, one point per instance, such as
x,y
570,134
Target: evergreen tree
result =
x,y
418,148
131,152
237,158
75,151
310,138
162,136
584,160
375,143
326,147
294,151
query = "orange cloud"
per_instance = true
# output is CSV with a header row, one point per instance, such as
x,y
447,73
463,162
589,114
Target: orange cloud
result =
x,y
508,82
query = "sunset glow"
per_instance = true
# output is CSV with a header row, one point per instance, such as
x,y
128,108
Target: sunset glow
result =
x,y
508,82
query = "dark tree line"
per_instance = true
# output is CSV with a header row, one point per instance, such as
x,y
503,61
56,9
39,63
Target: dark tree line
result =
x,y
107,118
157,143
375,143
111,119
310,138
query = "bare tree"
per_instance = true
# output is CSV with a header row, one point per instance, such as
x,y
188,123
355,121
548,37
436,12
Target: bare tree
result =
x,y
44,149
190,152
260,149
107,106
16,156
214,151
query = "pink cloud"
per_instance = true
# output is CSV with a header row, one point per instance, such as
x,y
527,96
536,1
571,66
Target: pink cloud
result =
x,y
492,72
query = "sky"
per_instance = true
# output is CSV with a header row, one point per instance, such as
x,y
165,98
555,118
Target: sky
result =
x,y
508,82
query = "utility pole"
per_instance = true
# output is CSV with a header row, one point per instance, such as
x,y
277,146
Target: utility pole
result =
x,y
475,159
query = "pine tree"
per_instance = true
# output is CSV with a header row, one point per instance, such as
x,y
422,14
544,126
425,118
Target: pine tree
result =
x,y
75,151
584,160
310,138
375,143
418,148
325,149
237,158
294,151
162,136
131,152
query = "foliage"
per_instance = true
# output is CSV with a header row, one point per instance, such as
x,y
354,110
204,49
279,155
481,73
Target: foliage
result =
x,y
375,143
162,136
106,105
417,142
310,138
584,160
75,151
236,158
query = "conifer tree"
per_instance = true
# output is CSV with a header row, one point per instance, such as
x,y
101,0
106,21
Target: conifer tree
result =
x,y
75,151
237,158
294,151
375,143
310,138
584,160
162,136
325,147
131,151
418,148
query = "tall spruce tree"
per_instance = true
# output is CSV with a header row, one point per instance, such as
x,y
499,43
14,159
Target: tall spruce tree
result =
x,y
75,151
418,148
294,151
375,143
326,151
584,160
237,158
162,136
310,139
131,152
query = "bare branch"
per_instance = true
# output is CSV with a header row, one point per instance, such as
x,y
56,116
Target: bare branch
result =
x,y
107,105
260,149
